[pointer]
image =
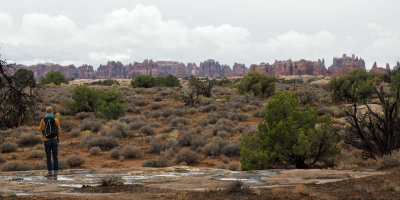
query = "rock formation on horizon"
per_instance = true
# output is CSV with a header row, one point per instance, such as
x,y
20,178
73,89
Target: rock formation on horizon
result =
x,y
289,67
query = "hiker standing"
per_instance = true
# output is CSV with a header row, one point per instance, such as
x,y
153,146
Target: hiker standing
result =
x,y
50,127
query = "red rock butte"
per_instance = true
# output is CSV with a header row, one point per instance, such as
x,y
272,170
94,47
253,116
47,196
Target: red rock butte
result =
x,y
209,68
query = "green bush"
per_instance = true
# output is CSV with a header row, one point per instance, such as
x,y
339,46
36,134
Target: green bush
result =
x,y
288,136
143,81
146,81
91,100
113,111
107,82
55,77
257,84
355,86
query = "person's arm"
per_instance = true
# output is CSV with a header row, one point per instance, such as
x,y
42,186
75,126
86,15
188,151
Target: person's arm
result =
x,y
42,125
58,127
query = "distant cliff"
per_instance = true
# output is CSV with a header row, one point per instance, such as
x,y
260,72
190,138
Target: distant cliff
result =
x,y
208,68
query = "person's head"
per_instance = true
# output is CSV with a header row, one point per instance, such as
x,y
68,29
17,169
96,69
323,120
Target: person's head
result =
x,y
49,109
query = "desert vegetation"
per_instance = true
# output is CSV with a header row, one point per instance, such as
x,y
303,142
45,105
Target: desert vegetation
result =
x,y
254,122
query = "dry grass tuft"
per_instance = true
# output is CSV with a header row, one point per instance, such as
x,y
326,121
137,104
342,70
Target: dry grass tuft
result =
x,y
300,189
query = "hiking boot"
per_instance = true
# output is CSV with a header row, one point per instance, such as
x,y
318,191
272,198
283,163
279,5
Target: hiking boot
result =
x,y
55,173
48,174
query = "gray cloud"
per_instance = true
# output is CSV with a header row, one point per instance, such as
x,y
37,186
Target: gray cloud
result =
x,y
94,32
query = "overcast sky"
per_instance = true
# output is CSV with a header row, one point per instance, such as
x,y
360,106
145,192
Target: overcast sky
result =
x,y
243,31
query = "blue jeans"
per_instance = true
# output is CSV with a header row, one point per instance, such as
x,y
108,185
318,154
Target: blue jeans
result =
x,y
50,147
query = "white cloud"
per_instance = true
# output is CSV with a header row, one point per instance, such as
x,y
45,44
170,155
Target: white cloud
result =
x,y
293,40
39,28
6,22
103,56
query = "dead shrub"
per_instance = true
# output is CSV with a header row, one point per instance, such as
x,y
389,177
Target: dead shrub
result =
x,y
300,189
29,140
39,166
16,166
156,146
114,153
215,147
389,161
91,124
84,115
131,152
179,122
111,180
147,130
105,143
36,154
75,132
94,151
232,149
234,166
7,147
237,186
66,124
188,156
75,161
157,162
259,113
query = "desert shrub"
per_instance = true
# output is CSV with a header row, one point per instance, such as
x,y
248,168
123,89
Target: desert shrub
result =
x,y
154,114
14,156
247,129
130,152
91,124
156,146
141,102
259,113
237,116
55,77
39,166
7,147
223,134
94,150
75,132
198,141
67,124
202,122
36,154
75,161
158,99
234,166
114,153
147,130
232,149
84,115
105,143
2,159
157,162
225,124
117,129
288,134
129,118
135,125
111,180
29,140
257,84
167,81
207,108
188,156
179,111
156,106
16,166
62,164
215,147
213,117
237,187
113,111
179,122
388,161
185,137
324,111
